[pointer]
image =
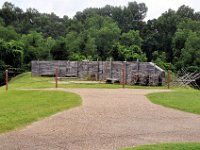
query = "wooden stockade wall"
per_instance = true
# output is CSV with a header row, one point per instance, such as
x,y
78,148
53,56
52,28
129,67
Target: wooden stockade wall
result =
x,y
143,73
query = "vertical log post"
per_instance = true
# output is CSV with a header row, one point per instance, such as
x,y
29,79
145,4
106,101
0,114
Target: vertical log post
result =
x,y
6,80
123,78
56,78
125,72
111,68
77,69
168,78
97,69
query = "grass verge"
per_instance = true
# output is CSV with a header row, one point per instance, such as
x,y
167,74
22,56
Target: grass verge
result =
x,y
19,108
169,146
182,99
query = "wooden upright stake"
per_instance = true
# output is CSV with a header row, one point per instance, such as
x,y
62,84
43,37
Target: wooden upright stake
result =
x,y
111,68
56,77
168,79
123,78
125,73
97,69
6,80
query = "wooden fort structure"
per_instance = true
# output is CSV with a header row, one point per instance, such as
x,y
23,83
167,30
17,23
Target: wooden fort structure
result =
x,y
141,73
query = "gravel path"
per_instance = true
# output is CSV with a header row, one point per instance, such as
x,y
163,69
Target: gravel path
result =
x,y
109,119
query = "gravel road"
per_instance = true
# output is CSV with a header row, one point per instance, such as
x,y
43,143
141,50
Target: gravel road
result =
x,y
109,119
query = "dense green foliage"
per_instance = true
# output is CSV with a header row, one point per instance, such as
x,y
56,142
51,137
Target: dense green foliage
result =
x,y
182,99
172,146
119,33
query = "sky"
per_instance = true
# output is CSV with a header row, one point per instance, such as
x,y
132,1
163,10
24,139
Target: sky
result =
x,y
70,7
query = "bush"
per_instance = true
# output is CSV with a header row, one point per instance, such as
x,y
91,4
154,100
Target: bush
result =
x,y
193,69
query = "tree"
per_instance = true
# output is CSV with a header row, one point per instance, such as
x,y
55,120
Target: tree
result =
x,y
8,13
186,11
50,43
2,23
167,26
121,53
105,32
11,53
117,52
151,38
131,38
91,48
60,51
159,58
178,43
8,33
34,47
191,53
74,26
138,11
73,42
185,44
130,17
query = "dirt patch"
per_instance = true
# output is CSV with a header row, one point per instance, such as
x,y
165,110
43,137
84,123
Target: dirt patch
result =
x,y
109,119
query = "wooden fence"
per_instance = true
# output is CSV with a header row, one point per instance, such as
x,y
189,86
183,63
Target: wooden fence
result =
x,y
144,73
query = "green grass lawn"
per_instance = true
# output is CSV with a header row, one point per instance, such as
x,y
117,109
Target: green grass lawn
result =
x,y
182,99
174,146
19,108
26,81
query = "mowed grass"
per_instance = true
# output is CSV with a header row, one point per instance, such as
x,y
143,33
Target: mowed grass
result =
x,y
25,80
21,107
169,146
183,99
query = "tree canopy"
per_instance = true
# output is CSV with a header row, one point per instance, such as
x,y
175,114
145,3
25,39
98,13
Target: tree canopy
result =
x,y
117,32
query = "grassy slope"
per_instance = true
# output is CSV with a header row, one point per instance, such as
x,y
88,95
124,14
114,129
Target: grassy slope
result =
x,y
176,146
182,99
19,108
26,81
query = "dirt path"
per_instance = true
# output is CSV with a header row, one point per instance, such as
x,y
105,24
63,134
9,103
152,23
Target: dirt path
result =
x,y
109,119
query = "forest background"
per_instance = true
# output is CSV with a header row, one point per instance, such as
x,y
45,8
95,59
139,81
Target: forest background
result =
x,y
119,33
